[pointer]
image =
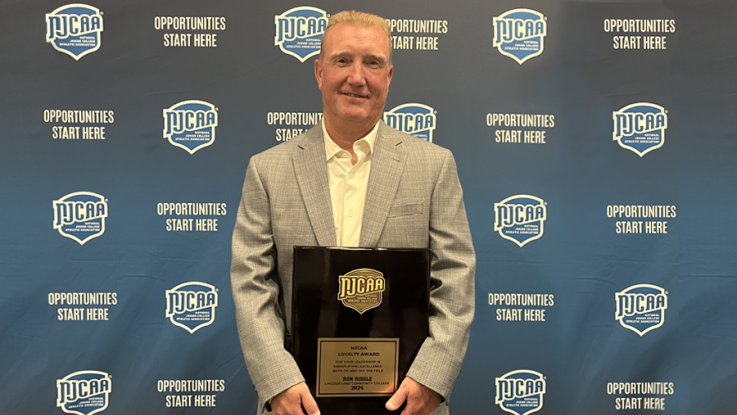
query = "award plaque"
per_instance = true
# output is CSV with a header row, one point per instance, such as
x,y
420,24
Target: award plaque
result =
x,y
359,317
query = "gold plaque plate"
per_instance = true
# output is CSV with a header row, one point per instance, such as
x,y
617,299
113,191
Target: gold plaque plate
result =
x,y
357,367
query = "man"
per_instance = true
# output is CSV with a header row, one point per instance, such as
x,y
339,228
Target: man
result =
x,y
351,181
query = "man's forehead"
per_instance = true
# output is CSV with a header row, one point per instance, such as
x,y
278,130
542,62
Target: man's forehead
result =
x,y
376,54
360,32
380,47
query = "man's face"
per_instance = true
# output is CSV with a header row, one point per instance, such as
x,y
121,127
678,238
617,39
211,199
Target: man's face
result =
x,y
354,73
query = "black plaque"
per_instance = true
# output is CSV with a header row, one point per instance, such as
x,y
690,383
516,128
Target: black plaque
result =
x,y
359,317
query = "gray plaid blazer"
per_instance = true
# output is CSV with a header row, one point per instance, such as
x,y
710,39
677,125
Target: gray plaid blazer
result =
x,y
414,200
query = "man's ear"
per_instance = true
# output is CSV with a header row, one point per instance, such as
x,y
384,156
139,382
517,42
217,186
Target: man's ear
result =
x,y
318,73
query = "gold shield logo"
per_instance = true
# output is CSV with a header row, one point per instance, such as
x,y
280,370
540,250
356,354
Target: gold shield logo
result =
x,y
361,289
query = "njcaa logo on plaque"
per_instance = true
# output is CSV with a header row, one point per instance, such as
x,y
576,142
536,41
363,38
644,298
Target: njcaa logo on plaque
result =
x,y
640,127
191,305
520,392
190,125
520,218
80,216
74,29
299,31
415,119
641,308
361,289
520,34
83,393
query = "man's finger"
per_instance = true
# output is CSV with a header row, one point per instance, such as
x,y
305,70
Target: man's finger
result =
x,y
398,398
420,399
309,404
295,401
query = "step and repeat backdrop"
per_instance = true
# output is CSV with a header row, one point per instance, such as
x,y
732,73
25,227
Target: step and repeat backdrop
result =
x,y
596,143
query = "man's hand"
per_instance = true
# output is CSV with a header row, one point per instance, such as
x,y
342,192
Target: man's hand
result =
x,y
421,400
296,400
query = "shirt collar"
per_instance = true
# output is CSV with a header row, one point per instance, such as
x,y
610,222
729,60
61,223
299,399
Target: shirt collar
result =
x,y
332,149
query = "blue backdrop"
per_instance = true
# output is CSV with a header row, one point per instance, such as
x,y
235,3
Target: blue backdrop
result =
x,y
595,140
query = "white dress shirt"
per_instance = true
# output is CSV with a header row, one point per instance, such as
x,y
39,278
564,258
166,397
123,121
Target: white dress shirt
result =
x,y
348,185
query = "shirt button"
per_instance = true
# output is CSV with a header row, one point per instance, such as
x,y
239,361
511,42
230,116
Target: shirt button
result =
x,y
350,214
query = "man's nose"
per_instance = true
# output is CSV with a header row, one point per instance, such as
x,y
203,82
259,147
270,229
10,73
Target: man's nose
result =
x,y
357,75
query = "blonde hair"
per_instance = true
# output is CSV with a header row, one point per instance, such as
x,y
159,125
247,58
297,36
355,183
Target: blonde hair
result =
x,y
359,19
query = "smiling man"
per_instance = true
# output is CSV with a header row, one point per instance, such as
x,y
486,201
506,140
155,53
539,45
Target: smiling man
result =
x,y
353,72
351,181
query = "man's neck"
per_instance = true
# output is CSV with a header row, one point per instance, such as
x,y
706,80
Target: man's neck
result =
x,y
344,134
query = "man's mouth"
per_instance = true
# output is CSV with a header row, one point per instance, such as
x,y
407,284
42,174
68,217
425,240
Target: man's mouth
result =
x,y
355,95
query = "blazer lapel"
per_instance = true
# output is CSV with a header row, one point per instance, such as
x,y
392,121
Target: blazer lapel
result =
x,y
312,177
387,164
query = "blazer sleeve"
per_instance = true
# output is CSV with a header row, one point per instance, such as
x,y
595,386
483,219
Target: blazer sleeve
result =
x,y
453,267
256,292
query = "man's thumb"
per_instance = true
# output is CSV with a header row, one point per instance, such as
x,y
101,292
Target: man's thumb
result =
x,y
308,402
397,399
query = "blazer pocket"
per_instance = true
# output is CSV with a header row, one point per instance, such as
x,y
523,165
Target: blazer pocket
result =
x,y
406,209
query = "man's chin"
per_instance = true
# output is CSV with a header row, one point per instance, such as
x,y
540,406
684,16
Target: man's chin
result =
x,y
355,117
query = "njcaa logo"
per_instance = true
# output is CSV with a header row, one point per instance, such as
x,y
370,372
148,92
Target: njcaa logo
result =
x,y
416,119
80,216
520,392
83,393
299,31
74,29
191,305
190,125
641,308
640,127
361,289
520,218
520,34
